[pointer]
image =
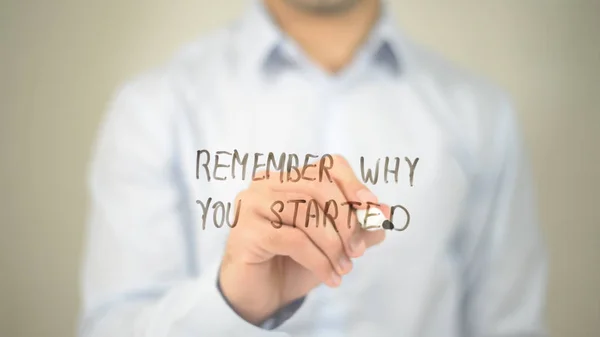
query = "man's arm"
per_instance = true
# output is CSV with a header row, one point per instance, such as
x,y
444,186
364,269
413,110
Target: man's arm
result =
x,y
138,277
505,276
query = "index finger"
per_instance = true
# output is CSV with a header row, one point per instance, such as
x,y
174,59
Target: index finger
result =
x,y
358,195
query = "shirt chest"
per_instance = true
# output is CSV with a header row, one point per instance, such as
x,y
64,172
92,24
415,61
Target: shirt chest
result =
x,y
387,135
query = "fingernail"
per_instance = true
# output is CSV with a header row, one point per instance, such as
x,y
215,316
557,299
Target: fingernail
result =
x,y
365,196
357,245
335,279
345,264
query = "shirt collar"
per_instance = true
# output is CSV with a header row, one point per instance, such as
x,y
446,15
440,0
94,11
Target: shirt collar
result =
x,y
262,42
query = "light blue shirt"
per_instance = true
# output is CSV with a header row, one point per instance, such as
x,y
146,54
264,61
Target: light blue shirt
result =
x,y
470,263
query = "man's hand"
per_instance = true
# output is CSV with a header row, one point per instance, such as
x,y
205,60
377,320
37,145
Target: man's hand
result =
x,y
269,263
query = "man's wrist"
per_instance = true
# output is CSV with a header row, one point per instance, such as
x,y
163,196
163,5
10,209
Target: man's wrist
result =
x,y
272,321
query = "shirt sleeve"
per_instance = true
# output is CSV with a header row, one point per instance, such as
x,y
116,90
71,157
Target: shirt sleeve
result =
x,y
139,276
277,318
505,277
282,315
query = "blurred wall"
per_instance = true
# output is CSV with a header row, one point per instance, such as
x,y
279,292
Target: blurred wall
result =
x,y
60,61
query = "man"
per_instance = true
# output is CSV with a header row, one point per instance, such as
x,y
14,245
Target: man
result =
x,y
224,188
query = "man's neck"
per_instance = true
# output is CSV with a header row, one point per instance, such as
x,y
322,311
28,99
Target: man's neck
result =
x,y
329,40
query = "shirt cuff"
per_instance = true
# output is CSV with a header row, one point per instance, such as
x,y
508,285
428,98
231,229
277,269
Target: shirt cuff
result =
x,y
207,313
277,318
282,315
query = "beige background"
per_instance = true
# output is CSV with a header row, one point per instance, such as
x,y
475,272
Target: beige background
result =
x,y
60,60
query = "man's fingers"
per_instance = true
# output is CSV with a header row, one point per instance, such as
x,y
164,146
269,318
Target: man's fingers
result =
x,y
373,238
360,197
293,242
306,216
280,238
323,193
348,192
327,239
317,247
